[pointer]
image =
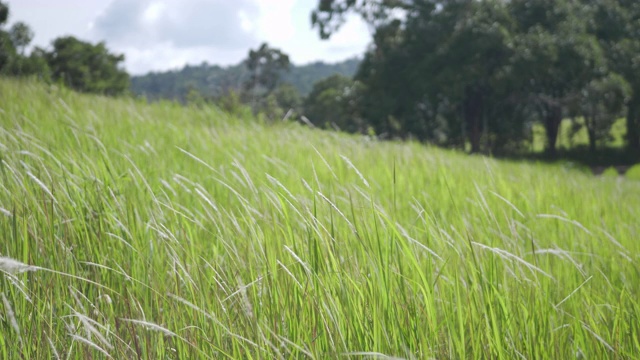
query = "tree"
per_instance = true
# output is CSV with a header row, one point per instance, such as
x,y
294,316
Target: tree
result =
x,y
431,72
7,50
13,43
334,101
329,15
384,76
632,75
86,67
616,24
471,60
288,98
277,104
601,103
265,66
21,36
480,72
34,64
231,103
555,58
4,13
194,97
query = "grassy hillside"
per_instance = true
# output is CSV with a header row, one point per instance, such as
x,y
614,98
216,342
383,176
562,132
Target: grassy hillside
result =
x,y
159,232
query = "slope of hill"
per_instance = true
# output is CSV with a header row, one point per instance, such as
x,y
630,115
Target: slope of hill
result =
x,y
157,231
213,79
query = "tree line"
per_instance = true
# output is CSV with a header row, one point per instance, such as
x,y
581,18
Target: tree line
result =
x,y
480,74
213,80
262,86
79,65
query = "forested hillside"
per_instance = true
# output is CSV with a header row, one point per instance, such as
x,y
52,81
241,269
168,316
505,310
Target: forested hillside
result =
x,y
214,80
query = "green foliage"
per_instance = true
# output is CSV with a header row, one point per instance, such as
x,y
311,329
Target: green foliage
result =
x,y
161,231
615,24
633,173
442,88
215,81
283,101
7,52
333,102
304,77
287,97
331,14
232,104
21,36
610,172
268,108
264,90
209,80
86,67
265,66
34,65
481,74
79,65
602,102
13,42
7,49
195,98
4,13
556,58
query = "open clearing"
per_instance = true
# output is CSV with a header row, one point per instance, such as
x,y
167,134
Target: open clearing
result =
x,y
157,232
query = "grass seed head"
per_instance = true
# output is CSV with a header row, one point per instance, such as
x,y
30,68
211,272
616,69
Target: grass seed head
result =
x,y
13,266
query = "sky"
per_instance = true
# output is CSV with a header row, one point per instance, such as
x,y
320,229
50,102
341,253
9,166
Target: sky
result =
x,y
158,35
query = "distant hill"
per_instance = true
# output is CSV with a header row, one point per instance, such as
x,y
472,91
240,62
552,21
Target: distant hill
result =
x,y
214,79
303,77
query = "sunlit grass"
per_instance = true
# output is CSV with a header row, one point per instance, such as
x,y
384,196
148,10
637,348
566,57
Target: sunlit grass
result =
x,y
157,231
568,139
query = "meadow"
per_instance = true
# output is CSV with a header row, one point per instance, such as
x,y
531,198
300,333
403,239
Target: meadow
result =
x,y
137,231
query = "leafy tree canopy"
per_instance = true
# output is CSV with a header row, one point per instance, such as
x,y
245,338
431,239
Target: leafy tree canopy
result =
x,y
21,36
479,73
333,103
86,67
265,66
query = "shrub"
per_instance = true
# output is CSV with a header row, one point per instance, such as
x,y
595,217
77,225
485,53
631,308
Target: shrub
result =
x,y
610,172
633,172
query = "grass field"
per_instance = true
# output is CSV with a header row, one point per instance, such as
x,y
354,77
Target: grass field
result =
x,y
134,231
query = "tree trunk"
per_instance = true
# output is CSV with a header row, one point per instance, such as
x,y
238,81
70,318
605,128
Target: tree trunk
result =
x,y
473,116
552,121
591,132
633,123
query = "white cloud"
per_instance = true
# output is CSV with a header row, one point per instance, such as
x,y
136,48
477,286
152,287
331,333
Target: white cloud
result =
x,y
245,23
50,19
275,23
306,46
183,24
153,12
163,34
160,57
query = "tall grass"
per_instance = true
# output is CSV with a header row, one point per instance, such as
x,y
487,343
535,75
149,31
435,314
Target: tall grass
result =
x,y
155,231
